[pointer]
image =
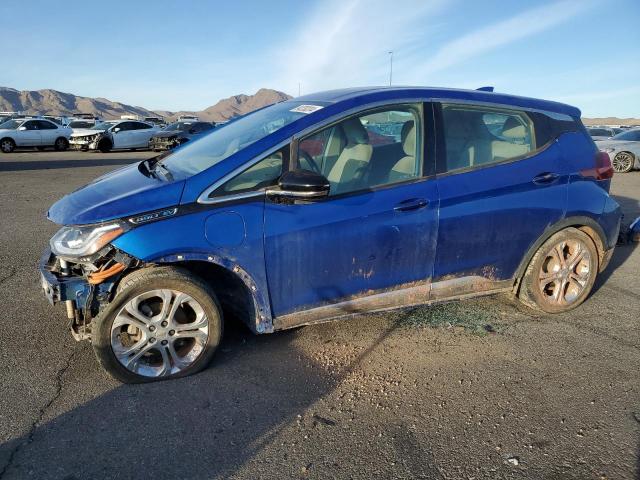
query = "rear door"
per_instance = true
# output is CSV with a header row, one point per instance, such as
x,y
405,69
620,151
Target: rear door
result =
x,y
373,236
142,134
501,184
48,132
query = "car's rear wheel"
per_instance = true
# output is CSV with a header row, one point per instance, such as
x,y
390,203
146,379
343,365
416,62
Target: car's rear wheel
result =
x,y
623,162
7,145
561,273
61,144
163,323
105,145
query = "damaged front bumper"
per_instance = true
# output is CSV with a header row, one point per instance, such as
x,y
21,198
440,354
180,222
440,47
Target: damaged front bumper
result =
x,y
83,299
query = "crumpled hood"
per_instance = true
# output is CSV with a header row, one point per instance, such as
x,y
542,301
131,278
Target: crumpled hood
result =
x,y
121,193
82,132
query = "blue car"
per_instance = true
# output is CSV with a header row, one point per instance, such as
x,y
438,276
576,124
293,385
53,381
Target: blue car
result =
x,y
327,206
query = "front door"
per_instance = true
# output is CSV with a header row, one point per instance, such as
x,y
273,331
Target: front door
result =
x,y
372,238
31,136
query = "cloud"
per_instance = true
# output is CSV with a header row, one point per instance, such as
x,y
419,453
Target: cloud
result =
x,y
504,32
346,43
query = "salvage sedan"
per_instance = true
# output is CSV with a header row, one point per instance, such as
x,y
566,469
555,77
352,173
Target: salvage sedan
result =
x,y
113,135
624,149
178,133
327,206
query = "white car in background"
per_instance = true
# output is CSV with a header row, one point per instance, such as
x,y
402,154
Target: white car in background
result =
x,y
623,149
33,132
114,135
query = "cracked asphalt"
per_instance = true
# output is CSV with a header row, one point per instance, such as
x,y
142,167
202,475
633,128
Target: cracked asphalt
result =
x,y
477,389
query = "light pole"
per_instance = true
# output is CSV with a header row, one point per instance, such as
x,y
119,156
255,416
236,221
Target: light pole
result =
x,y
390,67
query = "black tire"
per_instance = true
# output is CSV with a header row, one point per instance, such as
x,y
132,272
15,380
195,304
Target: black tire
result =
x,y
539,291
105,145
623,162
138,283
61,144
7,145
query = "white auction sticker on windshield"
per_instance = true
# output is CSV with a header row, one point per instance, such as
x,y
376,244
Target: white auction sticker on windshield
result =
x,y
306,108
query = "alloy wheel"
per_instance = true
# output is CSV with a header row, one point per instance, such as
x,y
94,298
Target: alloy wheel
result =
x,y
159,333
6,146
565,272
622,162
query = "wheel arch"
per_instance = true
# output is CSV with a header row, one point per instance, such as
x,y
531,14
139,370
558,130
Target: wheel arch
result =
x,y
586,224
236,289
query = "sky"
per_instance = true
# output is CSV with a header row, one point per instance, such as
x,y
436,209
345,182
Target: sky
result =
x,y
188,54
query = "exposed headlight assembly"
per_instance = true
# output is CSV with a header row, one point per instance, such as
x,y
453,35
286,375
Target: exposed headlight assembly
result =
x,y
84,240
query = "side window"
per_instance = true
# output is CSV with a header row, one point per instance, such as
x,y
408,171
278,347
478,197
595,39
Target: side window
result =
x,y
476,136
44,125
32,125
263,174
373,149
141,126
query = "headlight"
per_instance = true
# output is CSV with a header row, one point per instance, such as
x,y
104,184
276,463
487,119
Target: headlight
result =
x,y
84,240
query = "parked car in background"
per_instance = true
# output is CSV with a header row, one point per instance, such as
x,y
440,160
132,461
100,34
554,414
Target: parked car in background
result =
x,y
159,121
33,132
624,150
191,118
114,135
178,133
602,133
81,124
256,221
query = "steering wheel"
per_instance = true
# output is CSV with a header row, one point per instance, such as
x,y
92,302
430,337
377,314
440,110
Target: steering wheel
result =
x,y
309,159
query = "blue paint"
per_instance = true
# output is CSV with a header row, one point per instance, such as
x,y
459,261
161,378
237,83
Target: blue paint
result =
x,y
301,255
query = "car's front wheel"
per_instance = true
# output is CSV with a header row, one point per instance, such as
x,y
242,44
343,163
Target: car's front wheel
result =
x,y
623,162
7,145
561,273
163,323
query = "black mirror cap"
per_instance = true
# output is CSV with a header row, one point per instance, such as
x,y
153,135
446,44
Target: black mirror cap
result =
x,y
304,181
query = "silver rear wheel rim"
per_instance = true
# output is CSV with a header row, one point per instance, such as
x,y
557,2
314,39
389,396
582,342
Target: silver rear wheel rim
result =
x,y
159,333
565,273
622,162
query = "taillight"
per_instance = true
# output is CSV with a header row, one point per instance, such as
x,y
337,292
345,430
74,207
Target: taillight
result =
x,y
603,169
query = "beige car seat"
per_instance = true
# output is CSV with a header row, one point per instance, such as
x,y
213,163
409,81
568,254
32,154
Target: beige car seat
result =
x,y
406,166
353,159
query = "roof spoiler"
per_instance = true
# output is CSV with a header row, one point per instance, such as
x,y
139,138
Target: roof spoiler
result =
x,y
485,89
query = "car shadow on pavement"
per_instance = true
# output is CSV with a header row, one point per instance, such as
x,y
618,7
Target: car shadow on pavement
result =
x,y
205,426
631,209
13,166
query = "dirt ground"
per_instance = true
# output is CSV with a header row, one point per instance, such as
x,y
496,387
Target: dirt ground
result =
x,y
482,389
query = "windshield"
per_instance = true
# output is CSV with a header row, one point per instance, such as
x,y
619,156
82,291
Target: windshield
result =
x,y
81,124
103,125
182,126
11,124
224,142
632,135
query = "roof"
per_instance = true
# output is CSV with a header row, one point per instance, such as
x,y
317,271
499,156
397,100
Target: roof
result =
x,y
388,93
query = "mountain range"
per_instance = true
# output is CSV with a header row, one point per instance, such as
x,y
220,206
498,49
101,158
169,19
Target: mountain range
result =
x,y
54,102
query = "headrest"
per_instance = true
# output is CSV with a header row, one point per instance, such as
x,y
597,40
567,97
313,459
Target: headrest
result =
x,y
512,128
355,132
408,138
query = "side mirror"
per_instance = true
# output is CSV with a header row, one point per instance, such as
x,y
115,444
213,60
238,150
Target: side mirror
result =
x,y
22,129
116,130
301,184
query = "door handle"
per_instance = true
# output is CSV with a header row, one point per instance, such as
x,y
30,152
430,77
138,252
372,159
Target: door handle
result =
x,y
545,178
411,204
